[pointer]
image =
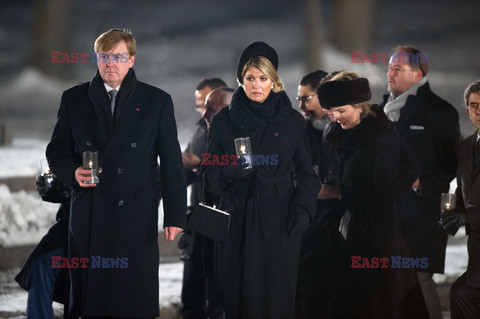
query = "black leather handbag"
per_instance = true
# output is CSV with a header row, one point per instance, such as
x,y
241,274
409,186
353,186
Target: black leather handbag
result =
x,y
211,222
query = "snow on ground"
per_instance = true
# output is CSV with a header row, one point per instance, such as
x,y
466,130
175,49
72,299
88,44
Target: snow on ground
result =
x,y
24,217
22,158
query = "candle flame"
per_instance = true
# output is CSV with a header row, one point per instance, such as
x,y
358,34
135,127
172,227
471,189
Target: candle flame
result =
x,y
242,149
90,164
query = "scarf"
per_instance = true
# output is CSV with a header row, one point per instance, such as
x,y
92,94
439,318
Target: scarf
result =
x,y
395,104
254,116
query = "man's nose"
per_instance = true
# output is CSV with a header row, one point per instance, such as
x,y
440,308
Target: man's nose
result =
x,y
302,105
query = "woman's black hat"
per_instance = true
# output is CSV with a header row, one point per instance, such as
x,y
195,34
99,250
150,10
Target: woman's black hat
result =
x,y
256,49
339,93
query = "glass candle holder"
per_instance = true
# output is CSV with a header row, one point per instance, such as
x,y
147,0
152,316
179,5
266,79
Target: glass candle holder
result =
x,y
244,150
449,201
46,173
90,161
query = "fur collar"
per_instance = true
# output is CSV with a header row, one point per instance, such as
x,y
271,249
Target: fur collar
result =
x,y
363,135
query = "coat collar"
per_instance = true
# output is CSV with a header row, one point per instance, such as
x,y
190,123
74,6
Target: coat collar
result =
x,y
240,115
99,97
413,105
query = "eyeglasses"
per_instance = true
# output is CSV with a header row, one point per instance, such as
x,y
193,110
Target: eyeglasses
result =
x,y
397,70
473,107
305,99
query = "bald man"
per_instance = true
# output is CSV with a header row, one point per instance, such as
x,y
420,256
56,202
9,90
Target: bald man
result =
x,y
215,101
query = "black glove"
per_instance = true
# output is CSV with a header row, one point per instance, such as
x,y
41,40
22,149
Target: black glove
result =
x,y
298,223
453,219
232,172
56,193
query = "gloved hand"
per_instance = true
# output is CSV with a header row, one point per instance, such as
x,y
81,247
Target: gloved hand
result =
x,y
453,219
232,172
298,223
40,184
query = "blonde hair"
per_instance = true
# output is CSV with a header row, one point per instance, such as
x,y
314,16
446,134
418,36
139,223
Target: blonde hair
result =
x,y
264,65
110,39
347,76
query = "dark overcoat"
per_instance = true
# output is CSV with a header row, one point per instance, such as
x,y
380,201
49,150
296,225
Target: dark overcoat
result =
x,y
258,268
118,218
468,196
369,157
428,125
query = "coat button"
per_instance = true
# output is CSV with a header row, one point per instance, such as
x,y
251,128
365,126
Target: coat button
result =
x,y
120,170
88,143
120,202
133,145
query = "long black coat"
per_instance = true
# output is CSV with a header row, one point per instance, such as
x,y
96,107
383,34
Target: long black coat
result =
x,y
370,161
118,217
257,270
468,196
429,126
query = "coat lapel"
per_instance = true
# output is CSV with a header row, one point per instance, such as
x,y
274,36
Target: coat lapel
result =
x,y
125,126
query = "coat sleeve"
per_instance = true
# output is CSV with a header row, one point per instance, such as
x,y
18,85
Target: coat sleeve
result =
x,y
61,155
446,136
172,175
308,185
213,174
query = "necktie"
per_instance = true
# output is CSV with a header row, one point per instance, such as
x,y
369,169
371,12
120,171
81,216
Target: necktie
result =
x,y
113,95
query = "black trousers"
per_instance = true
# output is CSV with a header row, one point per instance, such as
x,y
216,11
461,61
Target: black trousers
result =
x,y
464,300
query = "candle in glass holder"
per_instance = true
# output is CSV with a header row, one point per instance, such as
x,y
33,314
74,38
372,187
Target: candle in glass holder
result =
x,y
46,173
90,162
244,150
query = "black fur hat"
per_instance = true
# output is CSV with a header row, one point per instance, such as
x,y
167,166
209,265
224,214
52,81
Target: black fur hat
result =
x,y
256,49
338,93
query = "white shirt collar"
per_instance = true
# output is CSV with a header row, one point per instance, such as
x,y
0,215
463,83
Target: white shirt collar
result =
x,y
109,88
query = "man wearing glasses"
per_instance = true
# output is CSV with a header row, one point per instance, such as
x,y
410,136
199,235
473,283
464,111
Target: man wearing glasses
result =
x,y
429,126
319,275
465,292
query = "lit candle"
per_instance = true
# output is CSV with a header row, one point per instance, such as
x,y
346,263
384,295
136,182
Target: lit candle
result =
x,y
242,149
90,164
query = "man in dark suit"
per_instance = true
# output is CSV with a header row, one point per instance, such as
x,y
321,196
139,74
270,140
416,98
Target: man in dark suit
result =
x,y
428,125
197,250
113,224
465,292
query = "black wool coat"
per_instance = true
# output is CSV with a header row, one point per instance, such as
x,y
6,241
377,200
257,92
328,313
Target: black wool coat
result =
x,y
118,218
369,157
468,196
250,265
429,127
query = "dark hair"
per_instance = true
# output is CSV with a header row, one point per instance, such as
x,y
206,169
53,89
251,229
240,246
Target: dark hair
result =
x,y
472,88
313,79
213,83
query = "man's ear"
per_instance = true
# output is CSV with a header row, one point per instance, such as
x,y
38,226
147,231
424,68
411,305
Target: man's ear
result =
x,y
131,61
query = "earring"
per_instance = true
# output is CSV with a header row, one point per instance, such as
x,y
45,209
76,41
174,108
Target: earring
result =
x,y
361,111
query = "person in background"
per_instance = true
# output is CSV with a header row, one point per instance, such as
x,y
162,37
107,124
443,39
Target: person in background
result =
x,y
429,127
216,100
465,292
368,150
319,275
114,223
195,248
258,267
43,282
